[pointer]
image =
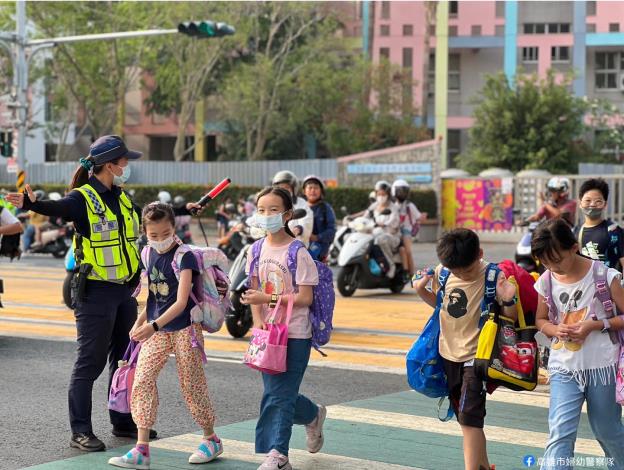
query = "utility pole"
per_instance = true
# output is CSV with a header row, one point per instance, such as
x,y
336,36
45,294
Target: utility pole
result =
x,y
21,61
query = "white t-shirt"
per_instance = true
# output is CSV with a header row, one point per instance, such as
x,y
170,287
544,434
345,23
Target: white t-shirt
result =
x,y
595,358
6,218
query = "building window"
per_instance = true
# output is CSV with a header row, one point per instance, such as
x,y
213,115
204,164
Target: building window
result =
x,y
475,30
452,31
453,9
431,76
454,73
453,146
384,30
408,53
564,28
528,28
408,30
591,8
546,28
384,53
540,28
385,10
432,30
500,9
590,28
614,27
530,54
560,54
606,70
499,30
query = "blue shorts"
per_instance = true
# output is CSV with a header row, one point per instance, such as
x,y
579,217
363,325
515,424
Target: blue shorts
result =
x,y
406,232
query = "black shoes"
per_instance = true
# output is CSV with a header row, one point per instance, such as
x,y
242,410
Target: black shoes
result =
x,y
86,441
131,432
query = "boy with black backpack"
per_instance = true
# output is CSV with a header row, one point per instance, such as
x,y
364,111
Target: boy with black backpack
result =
x,y
467,286
599,238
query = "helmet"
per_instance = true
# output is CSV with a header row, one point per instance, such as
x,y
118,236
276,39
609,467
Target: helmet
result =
x,y
164,197
40,194
382,186
400,189
54,196
287,177
230,208
372,196
314,179
559,184
179,201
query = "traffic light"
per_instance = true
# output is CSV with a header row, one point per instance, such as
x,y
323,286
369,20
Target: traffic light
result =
x,y
6,147
205,29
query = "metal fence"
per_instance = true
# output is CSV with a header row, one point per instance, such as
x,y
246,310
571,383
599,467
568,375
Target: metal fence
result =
x,y
526,190
243,173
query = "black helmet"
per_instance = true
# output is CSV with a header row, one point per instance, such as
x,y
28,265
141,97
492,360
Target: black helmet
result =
x,y
287,177
314,179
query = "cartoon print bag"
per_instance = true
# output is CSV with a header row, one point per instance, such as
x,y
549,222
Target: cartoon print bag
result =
x,y
267,348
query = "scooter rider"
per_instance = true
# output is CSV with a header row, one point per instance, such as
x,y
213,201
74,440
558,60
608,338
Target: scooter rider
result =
x,y
324,228
302,228
558,202
107,227
410,216
388,240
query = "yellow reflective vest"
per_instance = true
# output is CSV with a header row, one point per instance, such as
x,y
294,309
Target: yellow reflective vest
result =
x,y
112,252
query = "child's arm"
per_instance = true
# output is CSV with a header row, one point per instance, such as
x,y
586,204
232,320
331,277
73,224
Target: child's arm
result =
x,y
506,292
428,297
544,325
141,319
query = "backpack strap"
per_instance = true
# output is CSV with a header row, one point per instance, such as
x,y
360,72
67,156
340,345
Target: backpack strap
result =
x,y
489,294
613,249
553,313
255,249
601,285
293,250
177,258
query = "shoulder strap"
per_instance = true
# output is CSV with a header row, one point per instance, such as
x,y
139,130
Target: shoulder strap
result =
x,y
553,313
145,256
255,249
293,250
601,284
580,236
177,258
489,294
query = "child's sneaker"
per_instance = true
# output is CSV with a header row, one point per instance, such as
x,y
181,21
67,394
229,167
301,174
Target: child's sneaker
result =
x,y
275,461
208,450
314,431
133,459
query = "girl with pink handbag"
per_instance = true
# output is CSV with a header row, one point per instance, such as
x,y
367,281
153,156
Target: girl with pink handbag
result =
x,y
281,350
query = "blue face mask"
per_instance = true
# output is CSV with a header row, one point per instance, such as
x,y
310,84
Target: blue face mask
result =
x,y
270,223
123,178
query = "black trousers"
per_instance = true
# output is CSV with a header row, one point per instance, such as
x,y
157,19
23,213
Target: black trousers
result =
x,y
103,319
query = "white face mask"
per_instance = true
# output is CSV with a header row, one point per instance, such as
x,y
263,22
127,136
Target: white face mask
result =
x,y
270,223
123,178
382,199
161,246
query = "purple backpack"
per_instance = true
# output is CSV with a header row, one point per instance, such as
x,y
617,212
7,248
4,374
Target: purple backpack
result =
x,y
120,392
323,295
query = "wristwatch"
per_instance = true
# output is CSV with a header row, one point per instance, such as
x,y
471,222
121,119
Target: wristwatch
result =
x,y
273,301
510,303
154,325
606,327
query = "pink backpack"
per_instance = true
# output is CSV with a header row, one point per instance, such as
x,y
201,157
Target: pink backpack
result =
x,y
121,387
267,348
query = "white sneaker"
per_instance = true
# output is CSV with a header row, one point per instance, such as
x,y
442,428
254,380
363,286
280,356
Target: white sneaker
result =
x,y
314,431
208,450
275,461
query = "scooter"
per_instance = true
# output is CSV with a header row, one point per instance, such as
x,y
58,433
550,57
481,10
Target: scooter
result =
x,y
523,257
358,265
239,319
70,267
339,239
55,241
240,237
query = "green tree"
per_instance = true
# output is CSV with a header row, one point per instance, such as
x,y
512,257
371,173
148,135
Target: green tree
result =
x,y
535,124
607,123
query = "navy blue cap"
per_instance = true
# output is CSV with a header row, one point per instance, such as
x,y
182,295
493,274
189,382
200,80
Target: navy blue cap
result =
x,y
111,147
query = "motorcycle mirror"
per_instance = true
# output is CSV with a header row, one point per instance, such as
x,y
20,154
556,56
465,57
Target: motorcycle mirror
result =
x,y
343,209
299,214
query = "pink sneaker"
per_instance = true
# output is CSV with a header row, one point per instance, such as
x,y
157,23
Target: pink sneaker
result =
x,y
275,461
314,431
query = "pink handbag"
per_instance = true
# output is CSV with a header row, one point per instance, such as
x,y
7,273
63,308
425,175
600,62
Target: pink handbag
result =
x,y
120,393
267,348
619,379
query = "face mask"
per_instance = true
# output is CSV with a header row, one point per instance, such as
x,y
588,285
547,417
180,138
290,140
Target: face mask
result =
x,y
161,246
382,199
592,212
123,178
270,223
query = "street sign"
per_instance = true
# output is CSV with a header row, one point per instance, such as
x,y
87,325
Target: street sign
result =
x,y
21,181
12,165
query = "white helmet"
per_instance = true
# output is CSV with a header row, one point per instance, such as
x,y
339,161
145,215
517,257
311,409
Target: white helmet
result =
x,y
400,189
164,197
558,184
54,196
383,185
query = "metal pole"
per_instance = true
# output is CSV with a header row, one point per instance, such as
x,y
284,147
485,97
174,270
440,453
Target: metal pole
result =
x,y
21,83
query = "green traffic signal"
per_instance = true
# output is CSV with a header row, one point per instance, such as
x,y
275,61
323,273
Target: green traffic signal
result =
x,y
6,147
205,29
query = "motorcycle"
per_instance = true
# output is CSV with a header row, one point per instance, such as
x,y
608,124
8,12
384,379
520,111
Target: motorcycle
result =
x,y
239,319
55,240
239,238
339,239
358,266
523,257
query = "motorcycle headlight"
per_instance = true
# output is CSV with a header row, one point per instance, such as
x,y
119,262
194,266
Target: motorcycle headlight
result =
x,y
524,250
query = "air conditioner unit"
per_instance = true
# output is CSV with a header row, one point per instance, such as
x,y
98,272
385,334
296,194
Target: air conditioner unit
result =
x,y
621,82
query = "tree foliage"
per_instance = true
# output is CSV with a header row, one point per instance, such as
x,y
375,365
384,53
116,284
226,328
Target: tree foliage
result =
x,y
534,124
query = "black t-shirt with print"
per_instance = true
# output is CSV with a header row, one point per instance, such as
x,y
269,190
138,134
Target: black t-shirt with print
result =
x,y
163,287
596,243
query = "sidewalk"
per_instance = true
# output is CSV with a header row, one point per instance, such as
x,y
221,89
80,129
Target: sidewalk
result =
x,y
397,431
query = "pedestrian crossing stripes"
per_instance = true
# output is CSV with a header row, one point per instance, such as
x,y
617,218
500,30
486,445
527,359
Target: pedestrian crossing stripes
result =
x,y
398,431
